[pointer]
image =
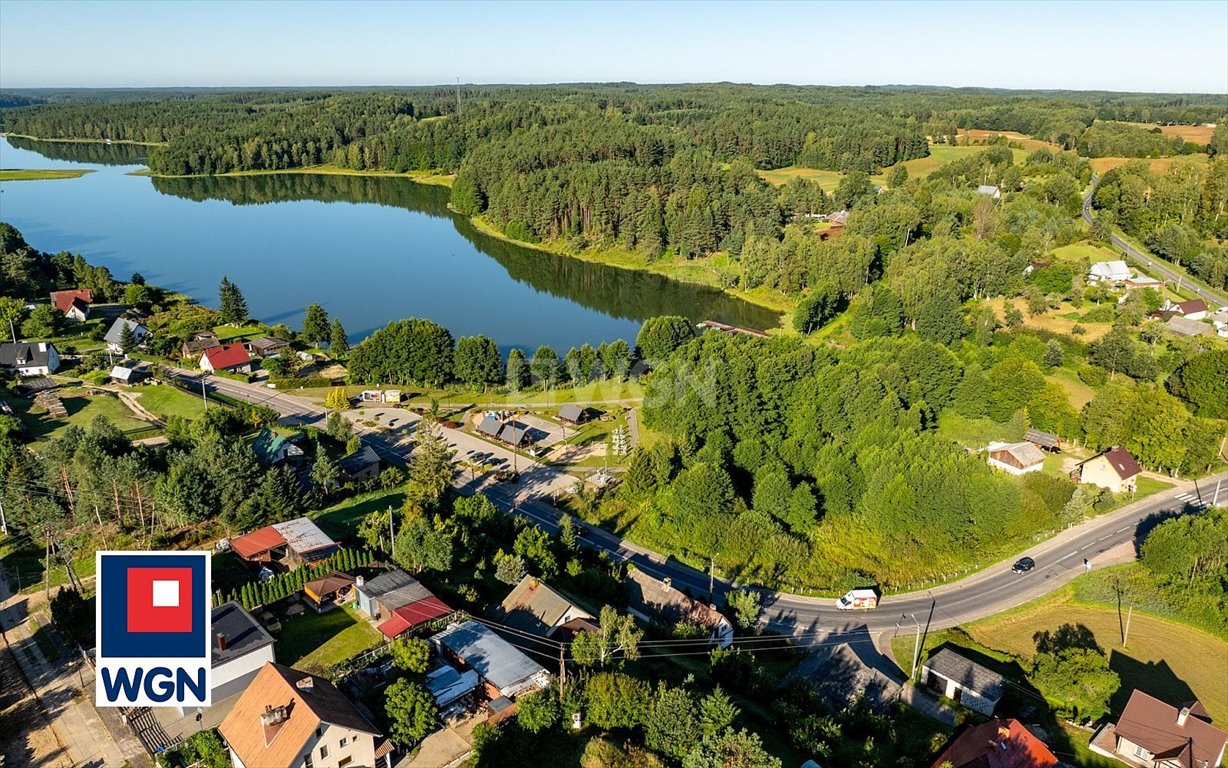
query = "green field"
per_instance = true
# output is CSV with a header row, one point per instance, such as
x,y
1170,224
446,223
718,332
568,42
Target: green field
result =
x,y
341,520
165,401
83,407
227,333
38,175
1085,251
940,155
828,180
324,639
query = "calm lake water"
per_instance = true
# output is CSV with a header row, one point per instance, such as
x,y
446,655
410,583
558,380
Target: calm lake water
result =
x,y
369,249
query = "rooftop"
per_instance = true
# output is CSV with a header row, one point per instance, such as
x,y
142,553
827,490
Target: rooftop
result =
x,y
1025,453
997,744
227,356
495,659
967,673
415,614
1153,724
243,633
117,330
386,582
63,300
653,596
532,607
279,713
1121,461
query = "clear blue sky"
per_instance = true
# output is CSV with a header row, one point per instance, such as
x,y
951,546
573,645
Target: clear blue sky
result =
x,y
1128,46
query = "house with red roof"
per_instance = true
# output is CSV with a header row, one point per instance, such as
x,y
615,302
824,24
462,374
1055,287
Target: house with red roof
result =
x,y
999,743
231,358
74,304
1115,470
290,544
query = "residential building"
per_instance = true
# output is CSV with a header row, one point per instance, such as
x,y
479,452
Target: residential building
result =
x,y
241,647
198,343
841,677
535,608
490,427
573,414
292,719
363,464
960,679
266,346
1111,272
448,686
505,670
989,190
36,358
326,591
1115,470
273,448
1156,734
658,601
399,602
289,544
1044,440
1195,309
1143,281
515,434
74,304
116,333
999,743
1016,458
230,358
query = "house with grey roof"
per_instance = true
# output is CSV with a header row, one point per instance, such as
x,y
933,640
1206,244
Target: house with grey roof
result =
x,y
657,600
362,464
506,671
1016,458
573,414
390,590
1112,272
535,608
989,190
116,333
37,358
960,679
840,677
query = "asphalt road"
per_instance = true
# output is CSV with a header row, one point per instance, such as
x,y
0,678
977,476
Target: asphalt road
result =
x,y
1110,538
1151,262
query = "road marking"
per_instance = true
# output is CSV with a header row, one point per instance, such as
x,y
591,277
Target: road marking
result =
x,y
1123,530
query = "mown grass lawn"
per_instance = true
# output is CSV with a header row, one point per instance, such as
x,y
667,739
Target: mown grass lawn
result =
x,y
165,401
324,639
83,407
227,333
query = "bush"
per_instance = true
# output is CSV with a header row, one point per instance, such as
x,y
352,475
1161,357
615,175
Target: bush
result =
x,y
1093,376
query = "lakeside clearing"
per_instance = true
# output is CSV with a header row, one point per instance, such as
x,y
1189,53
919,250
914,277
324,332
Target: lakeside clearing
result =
x,y
13,174
83,141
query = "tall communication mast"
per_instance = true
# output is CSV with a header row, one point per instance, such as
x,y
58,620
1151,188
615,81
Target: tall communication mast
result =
x,y
458,96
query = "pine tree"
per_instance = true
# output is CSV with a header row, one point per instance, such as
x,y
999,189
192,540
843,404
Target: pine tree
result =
x,y
232,305
315,324
338,340
127,338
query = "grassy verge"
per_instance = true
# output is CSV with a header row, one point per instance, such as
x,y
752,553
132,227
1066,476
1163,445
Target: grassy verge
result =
x,y
37,175
324,639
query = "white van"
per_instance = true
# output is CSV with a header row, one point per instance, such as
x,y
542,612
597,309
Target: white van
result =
x,y
858,599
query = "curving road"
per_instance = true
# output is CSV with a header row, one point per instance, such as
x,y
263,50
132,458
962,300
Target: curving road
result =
x,y
1110,538
1153,263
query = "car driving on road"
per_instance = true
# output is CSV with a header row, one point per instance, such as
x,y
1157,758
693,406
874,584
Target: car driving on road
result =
x,y
1023,565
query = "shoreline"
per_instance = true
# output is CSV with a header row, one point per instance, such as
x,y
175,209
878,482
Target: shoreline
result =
x,y
6,134
697,272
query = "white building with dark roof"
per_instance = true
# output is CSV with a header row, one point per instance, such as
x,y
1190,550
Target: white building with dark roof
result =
x,y
949,674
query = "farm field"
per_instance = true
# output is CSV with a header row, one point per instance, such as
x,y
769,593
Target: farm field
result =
x,y
1102,165
1023,140
1195,134
1055,321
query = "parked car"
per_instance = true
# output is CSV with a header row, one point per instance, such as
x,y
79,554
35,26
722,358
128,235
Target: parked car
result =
x,y
270,622
1023,565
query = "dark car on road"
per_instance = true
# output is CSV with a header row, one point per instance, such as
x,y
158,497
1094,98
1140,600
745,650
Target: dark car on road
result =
x,y
1023,565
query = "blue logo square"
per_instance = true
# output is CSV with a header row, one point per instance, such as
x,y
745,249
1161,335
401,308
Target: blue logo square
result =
x,y
133,601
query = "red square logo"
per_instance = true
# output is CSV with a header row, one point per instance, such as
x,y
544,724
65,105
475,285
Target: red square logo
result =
x,y
159,599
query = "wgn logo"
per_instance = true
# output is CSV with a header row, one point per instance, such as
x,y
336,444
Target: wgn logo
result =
x,y
153,629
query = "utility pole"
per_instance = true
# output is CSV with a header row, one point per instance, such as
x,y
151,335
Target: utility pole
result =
x,y
711,580
203,394
4,524
562,670
392,539
916,654
1126,636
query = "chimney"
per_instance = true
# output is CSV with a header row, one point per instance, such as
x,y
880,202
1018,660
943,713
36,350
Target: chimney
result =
x,y
359,581
221,641
668,582
1004,731
272,715
306,684
1182,716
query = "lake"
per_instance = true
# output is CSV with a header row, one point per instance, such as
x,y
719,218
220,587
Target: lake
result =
x,y
370,249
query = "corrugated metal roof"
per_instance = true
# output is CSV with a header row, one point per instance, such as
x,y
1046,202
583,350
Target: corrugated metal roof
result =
x,y
262,540
303,535
495,659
